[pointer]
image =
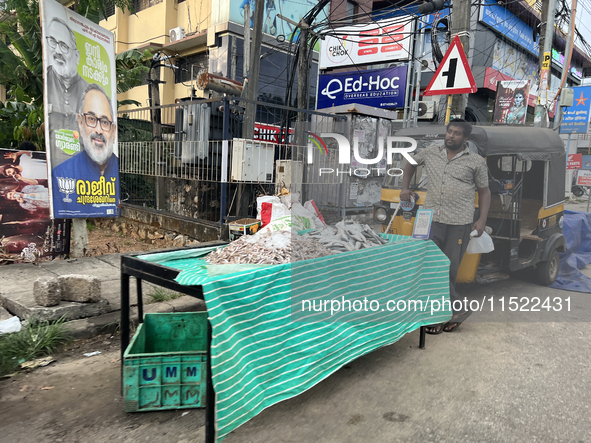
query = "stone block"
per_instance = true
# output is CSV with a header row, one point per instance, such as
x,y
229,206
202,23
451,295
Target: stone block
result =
x,y
179,240
47,291
80,288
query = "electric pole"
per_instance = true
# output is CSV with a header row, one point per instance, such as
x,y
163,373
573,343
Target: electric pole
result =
x,y
303,77
545,61
460,25
252,86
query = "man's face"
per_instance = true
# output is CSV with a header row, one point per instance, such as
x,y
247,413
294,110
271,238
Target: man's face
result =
x,y
454,138
64,61
10,172
97,141
11,195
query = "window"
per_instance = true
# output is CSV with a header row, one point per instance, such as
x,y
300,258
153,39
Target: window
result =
x,y
197,61
109,9
350,11
140,5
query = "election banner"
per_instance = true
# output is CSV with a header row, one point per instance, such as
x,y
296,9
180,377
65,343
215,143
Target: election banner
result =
x,y
511,102
27,233
381,88
80,97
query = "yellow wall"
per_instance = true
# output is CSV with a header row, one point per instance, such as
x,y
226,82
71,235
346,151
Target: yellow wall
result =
x,y
151,26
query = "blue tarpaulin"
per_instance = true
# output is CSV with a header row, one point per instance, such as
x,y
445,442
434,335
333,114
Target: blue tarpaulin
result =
x,y
577,230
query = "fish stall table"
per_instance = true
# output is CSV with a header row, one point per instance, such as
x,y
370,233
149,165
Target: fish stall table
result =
x,y
263,345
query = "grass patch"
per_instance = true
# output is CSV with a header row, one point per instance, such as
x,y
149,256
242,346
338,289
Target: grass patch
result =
x,y
36,340
159,294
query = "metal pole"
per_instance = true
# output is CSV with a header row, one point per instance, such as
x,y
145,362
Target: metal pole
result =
x,y
460,24
225,155
418,71
545,60
408,82
570,174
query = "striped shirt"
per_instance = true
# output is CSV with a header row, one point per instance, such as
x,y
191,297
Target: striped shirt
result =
x,y
452,183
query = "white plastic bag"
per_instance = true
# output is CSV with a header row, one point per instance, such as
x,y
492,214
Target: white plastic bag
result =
x,y
13,324
480,245
270,208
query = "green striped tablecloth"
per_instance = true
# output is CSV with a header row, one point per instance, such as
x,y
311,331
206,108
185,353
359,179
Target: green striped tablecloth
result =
x,y
266,348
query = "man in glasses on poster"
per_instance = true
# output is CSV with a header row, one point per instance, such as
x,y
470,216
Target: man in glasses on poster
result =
x,y
65,87
96,163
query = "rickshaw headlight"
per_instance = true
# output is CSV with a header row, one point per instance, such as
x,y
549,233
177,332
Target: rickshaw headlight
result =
x,y
380,214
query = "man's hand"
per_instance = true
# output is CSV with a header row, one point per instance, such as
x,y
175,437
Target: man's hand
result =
x,y
405,195
479,226
11,155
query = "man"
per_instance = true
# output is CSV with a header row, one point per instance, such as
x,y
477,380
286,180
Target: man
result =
x,y
92,175
64,85
455,173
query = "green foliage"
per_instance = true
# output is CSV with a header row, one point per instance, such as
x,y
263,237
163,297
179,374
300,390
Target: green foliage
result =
x,y
159,295
132,67
36,340
21,66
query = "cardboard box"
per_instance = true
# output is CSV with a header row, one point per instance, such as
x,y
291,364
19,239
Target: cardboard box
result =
x,y
244,226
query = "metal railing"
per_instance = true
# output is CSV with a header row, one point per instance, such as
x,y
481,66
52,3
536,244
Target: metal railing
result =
x,y
190,158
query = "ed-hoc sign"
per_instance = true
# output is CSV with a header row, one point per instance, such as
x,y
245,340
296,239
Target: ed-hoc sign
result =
x,y
453,75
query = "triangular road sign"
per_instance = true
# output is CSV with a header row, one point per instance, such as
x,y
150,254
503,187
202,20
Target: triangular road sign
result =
x,y
453,75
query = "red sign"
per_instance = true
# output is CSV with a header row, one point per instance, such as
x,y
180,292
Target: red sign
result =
x,y
584,178
270,133
575,161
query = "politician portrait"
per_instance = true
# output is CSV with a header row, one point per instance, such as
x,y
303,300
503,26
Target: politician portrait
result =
x,y
88,180
64,89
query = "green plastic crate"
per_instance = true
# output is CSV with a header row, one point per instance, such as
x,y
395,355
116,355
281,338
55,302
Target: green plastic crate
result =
x,y
164,366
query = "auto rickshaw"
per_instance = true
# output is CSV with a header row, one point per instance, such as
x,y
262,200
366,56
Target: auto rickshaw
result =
x,y
526,179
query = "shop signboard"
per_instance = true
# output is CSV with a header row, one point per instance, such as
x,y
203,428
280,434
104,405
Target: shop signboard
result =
x,y
80,98
381,88
509,25
511,102
575,161
27,233
584,178
576,117
379,42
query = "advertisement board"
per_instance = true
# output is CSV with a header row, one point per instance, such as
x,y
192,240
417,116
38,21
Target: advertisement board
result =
x,y
511,102
80,98
27,233
508,24
272,22
584,178
575,118
379,42
381,88
575,161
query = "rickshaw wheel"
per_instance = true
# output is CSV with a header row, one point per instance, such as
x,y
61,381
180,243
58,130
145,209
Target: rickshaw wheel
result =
x,y
548,270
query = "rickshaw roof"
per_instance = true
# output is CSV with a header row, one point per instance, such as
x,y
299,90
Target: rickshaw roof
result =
x,y
527,142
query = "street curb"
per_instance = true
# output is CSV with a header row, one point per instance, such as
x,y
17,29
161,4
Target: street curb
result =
x,y
109,323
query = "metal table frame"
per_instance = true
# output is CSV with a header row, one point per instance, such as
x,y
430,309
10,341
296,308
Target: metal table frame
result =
x,y
164,276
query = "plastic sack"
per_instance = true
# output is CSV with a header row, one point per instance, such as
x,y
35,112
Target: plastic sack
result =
x,y
480,245
270,208
317,218
291,222
13,324
289,199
